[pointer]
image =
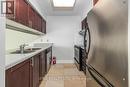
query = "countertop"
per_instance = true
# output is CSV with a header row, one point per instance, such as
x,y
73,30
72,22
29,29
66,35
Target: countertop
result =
x,y
14,59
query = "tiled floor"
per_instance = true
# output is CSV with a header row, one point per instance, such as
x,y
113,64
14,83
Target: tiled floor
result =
x,y
64,75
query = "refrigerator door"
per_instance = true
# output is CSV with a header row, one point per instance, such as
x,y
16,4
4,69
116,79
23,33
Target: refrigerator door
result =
x,y
108,24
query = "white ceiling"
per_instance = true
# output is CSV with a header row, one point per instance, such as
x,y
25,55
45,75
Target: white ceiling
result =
x,y
47,7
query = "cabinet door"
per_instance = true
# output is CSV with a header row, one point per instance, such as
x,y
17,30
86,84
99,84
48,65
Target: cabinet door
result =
x,y
42,65
39,23
43,26
23,12
36,71
31,17
36,21
19,75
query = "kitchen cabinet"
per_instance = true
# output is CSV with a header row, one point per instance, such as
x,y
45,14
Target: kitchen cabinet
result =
x,y
35,77
22,12
43,26
14,16
42,64
19,75
30,72
40,23
31,17
26,15
37,22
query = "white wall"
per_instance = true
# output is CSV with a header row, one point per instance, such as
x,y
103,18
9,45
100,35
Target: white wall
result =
x,y
61,31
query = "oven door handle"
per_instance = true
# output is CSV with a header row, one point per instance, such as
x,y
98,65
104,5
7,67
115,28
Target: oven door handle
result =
x,y
92,70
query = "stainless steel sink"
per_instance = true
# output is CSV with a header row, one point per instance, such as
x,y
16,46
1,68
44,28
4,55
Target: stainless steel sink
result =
x,y
33,49
24,52
29,50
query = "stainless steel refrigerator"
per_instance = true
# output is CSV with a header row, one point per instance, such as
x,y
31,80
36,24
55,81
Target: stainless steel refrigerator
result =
x,y
107,61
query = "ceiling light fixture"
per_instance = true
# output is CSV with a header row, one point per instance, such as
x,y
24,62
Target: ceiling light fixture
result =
x,y
63,3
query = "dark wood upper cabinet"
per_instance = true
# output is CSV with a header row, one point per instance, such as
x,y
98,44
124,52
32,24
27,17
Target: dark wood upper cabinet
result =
x,y
19,75
39,23
23,12
14,17
31,17
43,26
20,12
26,15
94,2
36,21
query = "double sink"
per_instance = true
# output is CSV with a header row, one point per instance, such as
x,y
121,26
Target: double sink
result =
x,y
25,51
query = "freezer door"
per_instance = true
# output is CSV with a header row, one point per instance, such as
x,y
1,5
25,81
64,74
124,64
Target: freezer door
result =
x,y
100,79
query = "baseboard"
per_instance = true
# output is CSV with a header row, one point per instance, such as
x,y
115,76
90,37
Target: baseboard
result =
x,y
65,61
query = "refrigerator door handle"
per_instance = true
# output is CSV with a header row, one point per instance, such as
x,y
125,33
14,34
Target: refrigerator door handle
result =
x,y
87,32
89,39
102,81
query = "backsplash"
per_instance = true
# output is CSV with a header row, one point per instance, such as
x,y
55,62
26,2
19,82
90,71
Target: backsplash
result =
x,y
15,38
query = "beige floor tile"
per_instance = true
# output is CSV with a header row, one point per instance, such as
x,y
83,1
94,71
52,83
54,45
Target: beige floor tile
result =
x,y
64,75
54,84
71,71
56,72
54,77
57,66
73,83
83,81
69,65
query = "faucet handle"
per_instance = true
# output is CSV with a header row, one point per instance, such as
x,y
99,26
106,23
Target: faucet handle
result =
x,y
25,44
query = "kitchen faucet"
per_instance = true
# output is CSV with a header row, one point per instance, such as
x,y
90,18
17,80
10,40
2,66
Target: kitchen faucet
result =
x,y
22,47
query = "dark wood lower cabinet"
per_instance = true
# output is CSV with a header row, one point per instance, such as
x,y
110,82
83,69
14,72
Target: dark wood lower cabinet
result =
x,y
42,65
35,71
19,75
28,73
